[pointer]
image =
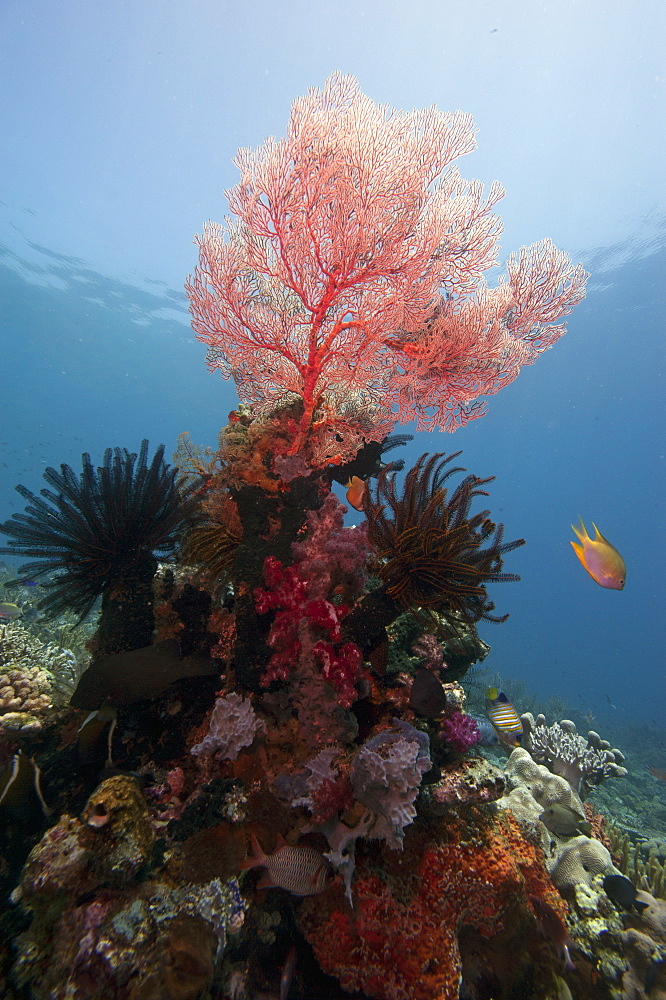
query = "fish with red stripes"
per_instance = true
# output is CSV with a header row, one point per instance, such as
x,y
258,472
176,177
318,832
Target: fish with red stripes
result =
x,y
301,870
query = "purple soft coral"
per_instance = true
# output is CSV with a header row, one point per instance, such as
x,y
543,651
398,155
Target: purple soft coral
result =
x,y
332,556
460,731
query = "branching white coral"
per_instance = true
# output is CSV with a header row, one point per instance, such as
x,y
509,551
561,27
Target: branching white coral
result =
x,y
583,762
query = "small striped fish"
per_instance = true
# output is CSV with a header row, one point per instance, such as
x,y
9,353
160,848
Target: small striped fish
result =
x,y
504,717
300,870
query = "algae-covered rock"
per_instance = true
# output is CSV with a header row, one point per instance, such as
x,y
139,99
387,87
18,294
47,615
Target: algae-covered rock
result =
x,y
98,929
120,834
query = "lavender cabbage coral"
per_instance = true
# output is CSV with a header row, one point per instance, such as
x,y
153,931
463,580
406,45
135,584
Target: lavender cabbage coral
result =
x,y
233,726
386,776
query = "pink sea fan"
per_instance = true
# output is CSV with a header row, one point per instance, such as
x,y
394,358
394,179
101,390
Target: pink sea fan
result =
x,y
354,274
460,731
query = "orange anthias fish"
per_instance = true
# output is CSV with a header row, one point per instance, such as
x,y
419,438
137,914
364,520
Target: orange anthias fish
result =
x,y
300,870
601,559
356,492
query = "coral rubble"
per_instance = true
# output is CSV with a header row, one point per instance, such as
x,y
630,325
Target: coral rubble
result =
x,y
101,927
30,670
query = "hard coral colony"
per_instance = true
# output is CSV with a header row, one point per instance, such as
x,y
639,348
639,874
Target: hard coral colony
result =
x,y
348,295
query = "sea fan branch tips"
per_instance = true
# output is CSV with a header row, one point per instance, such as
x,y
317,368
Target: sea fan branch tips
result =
x,y
355,269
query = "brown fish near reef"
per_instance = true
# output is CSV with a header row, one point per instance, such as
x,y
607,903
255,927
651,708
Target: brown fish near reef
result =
x,y
622,892
95,737
657,773
378,658
288,970
427,696
553,927
562,991
141,674
10,612
565,821
300,870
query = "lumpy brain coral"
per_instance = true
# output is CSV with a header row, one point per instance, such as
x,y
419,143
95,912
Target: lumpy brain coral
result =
x,y
401,940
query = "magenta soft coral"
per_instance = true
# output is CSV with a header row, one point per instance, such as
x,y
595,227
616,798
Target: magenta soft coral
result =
x,y
342,667
460,731
332,555
287,593
330,798
298,623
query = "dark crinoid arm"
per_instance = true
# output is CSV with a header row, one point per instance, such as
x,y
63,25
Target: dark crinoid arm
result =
x,y
97,534
433,557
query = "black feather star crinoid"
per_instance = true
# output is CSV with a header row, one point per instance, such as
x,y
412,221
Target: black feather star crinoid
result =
x,y
97,533
433,557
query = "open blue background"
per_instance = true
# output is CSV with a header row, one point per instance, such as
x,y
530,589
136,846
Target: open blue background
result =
x,y
119,126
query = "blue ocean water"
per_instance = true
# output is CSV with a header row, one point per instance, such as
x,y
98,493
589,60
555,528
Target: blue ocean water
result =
x,y
120,138
94,361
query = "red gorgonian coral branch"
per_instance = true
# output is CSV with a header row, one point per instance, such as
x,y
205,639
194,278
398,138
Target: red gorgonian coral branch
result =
x,y
354,271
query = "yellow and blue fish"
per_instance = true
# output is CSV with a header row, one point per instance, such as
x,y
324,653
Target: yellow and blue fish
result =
x,y
10,612
506,721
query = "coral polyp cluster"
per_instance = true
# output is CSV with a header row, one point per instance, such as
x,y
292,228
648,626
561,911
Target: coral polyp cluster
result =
x,y
457,894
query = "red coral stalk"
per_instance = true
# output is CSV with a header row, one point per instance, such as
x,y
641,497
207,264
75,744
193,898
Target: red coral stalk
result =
x,y
331,798
342,668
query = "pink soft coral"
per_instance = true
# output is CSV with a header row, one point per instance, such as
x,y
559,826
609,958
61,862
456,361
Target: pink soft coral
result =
x,y
354,226
342,667
460,731
298,624
332,556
